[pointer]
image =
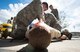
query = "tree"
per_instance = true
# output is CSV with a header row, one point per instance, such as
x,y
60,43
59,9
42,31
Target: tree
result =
x,y
63,20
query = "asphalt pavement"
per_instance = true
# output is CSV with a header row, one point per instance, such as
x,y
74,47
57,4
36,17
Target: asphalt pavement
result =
x,y
55,46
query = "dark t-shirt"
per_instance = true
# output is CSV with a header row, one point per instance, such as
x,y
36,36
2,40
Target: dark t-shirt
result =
x,y
55,12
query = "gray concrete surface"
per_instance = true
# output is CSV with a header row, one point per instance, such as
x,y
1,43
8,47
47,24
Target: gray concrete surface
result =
x,y
55,46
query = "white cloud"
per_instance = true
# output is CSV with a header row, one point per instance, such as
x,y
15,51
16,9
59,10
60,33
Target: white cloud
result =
x,y
70,7
11,12
15,8
76,12
0,22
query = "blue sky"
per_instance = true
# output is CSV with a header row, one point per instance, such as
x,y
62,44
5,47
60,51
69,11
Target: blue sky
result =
x,y
9,8
68,8
4,3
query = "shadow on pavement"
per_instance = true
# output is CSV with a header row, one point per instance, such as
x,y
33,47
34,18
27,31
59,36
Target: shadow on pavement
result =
x,y
29,48
7,43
